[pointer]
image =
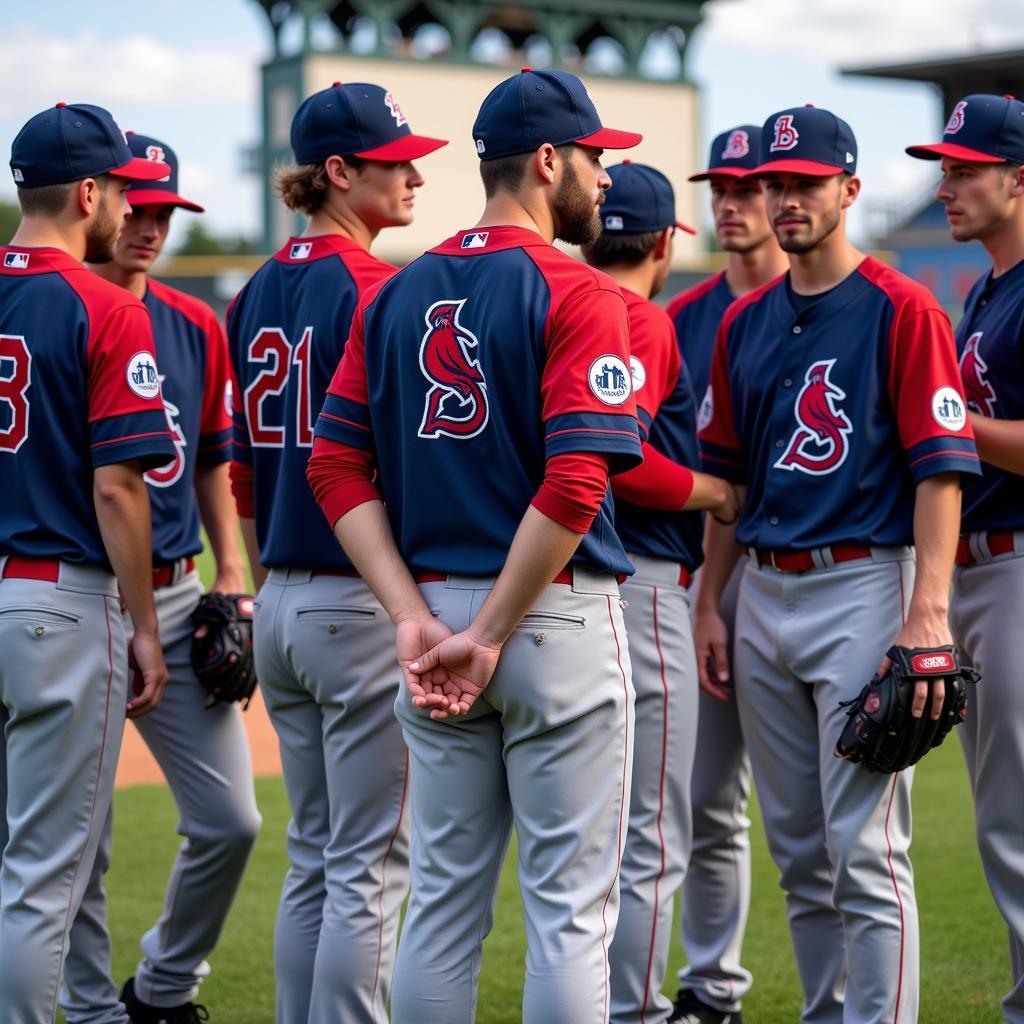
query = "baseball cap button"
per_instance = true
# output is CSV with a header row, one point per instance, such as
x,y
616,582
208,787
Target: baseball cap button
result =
x,y
61,105
527,68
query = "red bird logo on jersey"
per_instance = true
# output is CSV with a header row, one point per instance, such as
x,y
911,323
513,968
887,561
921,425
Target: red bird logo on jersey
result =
x,y
981,396
456,404
820,443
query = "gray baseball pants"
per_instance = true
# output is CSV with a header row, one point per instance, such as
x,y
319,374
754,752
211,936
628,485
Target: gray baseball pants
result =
x,y
840,835
716,889
204,755
63,687
986,615
325,657
548,748
657,618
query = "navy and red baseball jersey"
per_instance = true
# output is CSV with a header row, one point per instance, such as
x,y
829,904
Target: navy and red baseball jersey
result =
x,y
286,334
696,314
79,388
469,369
667,415
831,416
990,340
190,348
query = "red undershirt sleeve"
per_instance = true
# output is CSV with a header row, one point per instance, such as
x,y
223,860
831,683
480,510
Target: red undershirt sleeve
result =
x,y
657,483
341,477
241,488
574,485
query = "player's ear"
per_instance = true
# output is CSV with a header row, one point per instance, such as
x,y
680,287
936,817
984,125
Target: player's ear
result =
x,y
87,196
1017,186
850,186
338,172
546,162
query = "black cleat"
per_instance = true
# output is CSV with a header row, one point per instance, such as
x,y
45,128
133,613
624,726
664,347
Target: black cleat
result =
x,y
143,1013
688,1009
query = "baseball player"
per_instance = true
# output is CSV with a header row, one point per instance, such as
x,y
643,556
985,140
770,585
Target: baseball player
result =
x,y
489,384
716,889
324,646
982,188
203,752
836,403
80,421
664,544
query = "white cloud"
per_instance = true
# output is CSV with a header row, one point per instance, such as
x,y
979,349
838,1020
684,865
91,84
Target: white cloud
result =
x,y
874,31
131,70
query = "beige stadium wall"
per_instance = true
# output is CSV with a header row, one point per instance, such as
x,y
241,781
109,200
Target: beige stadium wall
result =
x,y
442,100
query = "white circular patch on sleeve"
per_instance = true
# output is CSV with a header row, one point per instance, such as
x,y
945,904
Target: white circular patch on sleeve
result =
x,y
609,379
142,375
948,409
637,372
229,393
706,412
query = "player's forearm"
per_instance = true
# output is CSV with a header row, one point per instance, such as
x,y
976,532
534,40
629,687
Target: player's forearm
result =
x,y
1000,442
220,520
936,529
540,550
365,534
122,510
721,553
252,549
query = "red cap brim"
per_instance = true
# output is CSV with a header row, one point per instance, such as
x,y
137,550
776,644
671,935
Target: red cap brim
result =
x,y
611,138
408,147
157,197
686,228
140,169
721,172
809,167
950,149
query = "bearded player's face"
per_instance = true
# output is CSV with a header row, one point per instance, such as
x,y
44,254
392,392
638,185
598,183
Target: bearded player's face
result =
x,y
108,220
803,210
579,195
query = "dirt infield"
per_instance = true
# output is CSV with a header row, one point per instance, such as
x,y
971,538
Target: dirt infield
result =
x,y
137,765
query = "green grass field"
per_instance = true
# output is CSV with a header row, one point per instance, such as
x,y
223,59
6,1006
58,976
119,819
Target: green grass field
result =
x,y
964,959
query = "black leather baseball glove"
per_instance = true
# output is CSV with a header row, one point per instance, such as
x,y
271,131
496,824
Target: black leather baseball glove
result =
x,y
881,733
222,653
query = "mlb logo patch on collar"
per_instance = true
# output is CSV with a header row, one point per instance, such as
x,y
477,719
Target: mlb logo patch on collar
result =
x,y
300,251
475,239
16,260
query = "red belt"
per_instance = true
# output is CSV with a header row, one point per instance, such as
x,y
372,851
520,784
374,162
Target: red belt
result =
x,y
801,561
1000,542
163,575
685,576
16,568
565,577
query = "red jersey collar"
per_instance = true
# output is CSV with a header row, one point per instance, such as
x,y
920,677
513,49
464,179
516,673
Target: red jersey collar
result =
x,y
316,247
474,241
15,259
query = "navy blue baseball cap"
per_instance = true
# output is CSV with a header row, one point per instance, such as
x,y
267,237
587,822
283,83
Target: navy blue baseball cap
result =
x,y
163,191
734,153
640,199
531,108
70,142
356,119
982,129
807,140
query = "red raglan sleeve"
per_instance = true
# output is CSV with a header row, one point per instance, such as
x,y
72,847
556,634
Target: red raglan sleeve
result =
x,y
720,449
216,414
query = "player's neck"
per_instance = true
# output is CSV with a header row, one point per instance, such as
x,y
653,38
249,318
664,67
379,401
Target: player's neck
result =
x,y
1006,248
525,211
746,271
335,219
41,233
639,280
830,262
133,281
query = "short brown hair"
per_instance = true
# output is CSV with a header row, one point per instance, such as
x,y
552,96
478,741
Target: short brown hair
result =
x,y
303,187
45,200
613,249
506,173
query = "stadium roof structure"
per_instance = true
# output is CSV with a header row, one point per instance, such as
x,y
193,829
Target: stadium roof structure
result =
x,y
1000,72
563,32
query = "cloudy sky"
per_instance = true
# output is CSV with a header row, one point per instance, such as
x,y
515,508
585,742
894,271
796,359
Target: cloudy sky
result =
x,y
188,72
